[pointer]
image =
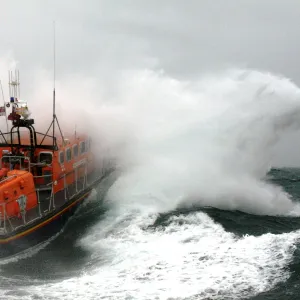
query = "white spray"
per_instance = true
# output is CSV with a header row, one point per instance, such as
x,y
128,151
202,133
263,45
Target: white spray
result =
x,y
207,142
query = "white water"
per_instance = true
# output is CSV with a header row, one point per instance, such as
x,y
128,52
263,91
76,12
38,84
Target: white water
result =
x,y
208,143
192,256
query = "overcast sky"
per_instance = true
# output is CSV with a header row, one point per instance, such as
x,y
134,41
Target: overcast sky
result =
x,y
182,37
185,38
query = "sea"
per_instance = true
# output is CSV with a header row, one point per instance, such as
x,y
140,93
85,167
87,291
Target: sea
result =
x,y
187,253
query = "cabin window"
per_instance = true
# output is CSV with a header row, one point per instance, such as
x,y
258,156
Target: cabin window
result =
x,y
45,157
82,147
75,150
88,145
68,154
61,157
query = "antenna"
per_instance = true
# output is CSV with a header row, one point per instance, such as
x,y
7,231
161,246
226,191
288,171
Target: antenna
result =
x,y
14,84
4,105
54,58
54,115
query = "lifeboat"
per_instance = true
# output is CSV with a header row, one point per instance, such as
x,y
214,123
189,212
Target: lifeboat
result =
x,y
44,177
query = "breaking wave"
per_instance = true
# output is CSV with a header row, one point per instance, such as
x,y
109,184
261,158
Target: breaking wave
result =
x,y
208,142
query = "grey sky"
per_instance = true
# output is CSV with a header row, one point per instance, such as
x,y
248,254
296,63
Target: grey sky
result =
x,y
184,38
179,36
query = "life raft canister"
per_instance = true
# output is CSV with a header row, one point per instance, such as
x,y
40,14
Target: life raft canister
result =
x,y
19,184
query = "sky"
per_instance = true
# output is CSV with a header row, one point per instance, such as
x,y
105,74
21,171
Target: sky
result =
x,y
100,38
182,37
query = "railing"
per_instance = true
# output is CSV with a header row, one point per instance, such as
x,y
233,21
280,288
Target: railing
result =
x,y
23,162
10,224
12,138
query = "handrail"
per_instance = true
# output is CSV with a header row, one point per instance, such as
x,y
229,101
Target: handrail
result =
x,y
69,194
17,159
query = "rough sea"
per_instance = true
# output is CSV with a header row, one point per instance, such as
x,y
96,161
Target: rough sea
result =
x,y
194,253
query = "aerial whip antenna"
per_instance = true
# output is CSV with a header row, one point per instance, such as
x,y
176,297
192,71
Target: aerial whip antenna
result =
x,y
4,105
54,115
